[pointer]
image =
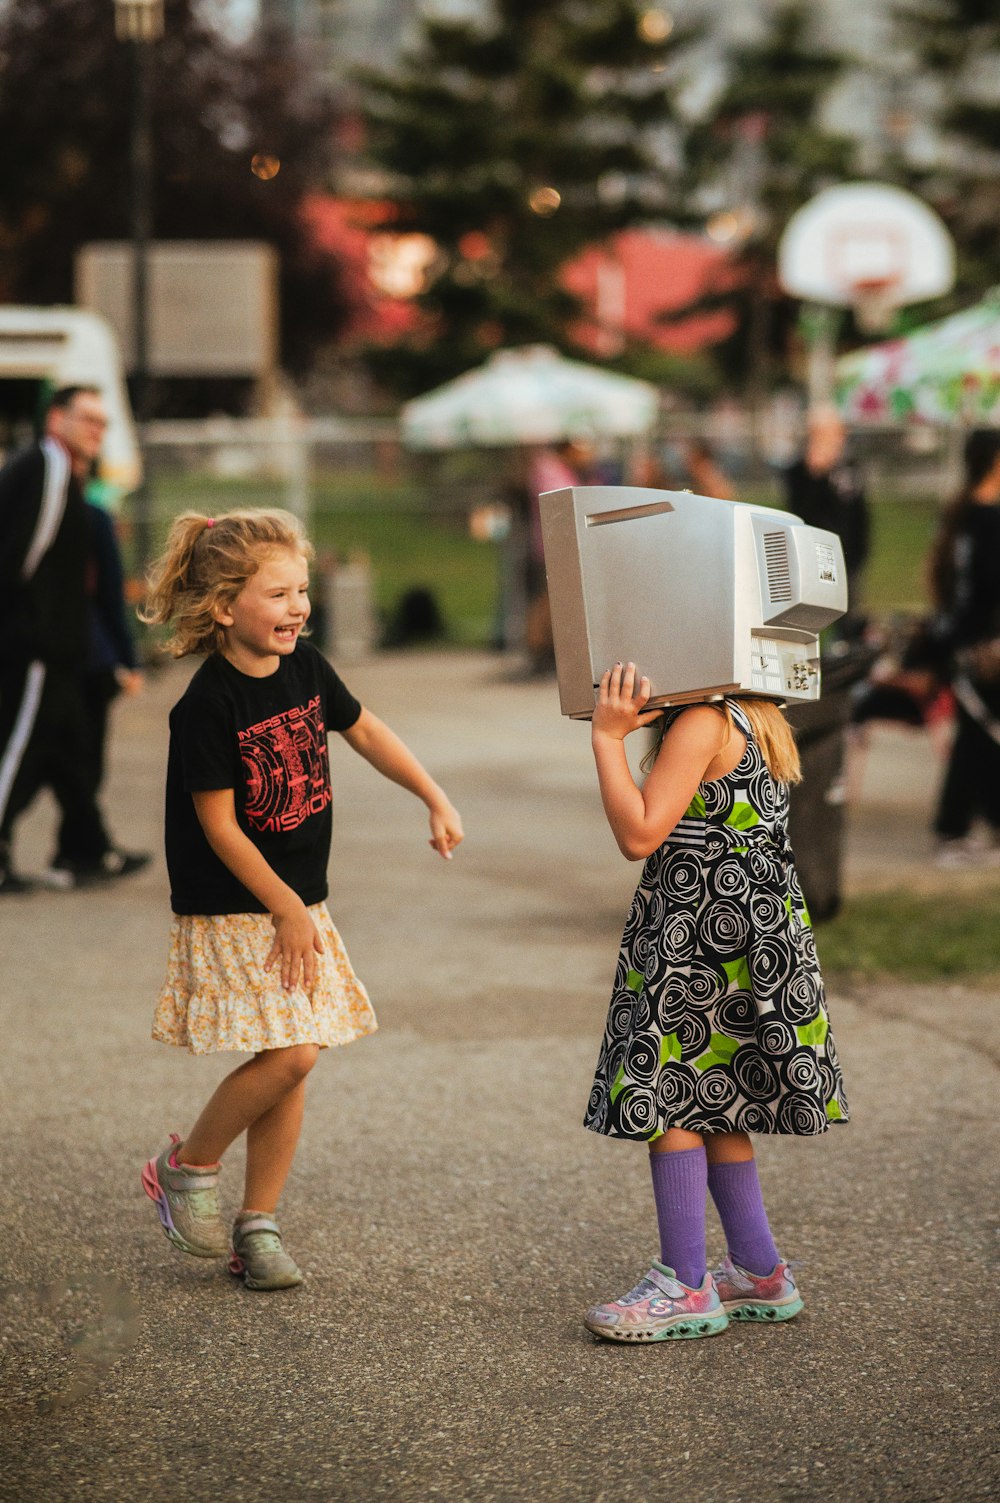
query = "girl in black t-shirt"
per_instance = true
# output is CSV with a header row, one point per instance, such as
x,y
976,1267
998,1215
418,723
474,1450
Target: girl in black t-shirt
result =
x,y
255,962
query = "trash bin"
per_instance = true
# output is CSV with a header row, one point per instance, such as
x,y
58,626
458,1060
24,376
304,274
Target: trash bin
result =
x,y
343,616
816,814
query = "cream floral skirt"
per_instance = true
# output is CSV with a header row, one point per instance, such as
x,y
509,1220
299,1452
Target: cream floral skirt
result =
x,y
218,996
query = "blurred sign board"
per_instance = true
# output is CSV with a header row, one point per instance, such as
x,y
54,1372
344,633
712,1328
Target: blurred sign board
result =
x,y
213,304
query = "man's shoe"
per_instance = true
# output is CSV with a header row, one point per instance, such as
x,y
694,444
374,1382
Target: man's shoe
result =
x,y
12,884
118,863
65,874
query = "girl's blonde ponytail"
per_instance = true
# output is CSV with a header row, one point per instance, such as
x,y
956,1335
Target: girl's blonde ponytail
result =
x,y
774,736
771,730
170,578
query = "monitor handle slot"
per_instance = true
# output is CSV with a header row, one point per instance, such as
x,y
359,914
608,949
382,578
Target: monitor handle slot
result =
x,y
628,513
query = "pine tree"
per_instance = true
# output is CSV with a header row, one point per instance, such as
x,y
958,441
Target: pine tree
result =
x,y
513,143
64,98
958,41
760,154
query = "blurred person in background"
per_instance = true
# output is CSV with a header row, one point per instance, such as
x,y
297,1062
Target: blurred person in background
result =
x,y
552,468
46,580
704,471
112,666
965,586
824,488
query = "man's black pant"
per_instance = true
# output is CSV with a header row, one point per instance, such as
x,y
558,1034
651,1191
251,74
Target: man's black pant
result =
x,y
46,741
972,780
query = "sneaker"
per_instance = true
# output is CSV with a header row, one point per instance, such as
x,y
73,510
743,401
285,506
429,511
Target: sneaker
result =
x,y
187,1201
12,884
66,874
116,863
751,1296
258,1257
659,1308
958,855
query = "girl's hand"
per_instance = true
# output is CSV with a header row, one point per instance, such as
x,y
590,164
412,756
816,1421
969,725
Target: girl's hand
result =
x,y
446,828
297,943
621,708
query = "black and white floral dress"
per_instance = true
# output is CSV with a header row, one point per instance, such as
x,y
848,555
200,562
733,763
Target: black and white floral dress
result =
x,y
718,1018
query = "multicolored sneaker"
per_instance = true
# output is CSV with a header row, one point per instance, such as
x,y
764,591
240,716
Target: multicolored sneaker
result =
x,y
258,1257
751,1296
660,1308
187,1201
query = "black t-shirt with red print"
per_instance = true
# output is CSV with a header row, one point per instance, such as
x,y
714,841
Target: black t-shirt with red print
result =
x,y
266,738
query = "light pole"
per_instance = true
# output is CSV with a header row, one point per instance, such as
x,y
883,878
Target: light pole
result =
x,y
139,23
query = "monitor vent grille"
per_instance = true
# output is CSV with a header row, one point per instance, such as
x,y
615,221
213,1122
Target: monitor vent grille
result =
x,y
779,572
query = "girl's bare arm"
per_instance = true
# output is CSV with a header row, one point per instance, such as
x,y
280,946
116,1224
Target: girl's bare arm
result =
x,y
296,938
372,739
642,818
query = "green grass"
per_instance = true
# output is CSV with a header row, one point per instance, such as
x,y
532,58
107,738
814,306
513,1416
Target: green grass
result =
x,y
412,541
408,551
902,532
911,936
410,544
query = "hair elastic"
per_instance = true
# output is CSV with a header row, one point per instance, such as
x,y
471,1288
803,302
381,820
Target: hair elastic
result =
x,y
209,521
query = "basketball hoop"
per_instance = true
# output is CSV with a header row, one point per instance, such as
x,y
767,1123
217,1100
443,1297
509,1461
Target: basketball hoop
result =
x,y
866,246
874,301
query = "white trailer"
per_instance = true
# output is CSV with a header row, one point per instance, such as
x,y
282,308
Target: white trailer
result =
x,y
70,346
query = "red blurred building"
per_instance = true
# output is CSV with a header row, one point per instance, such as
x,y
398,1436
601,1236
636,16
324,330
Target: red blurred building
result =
x,y
626,286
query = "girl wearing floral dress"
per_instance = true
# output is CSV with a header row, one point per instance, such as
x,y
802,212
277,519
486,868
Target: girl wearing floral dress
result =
x,y
718,1025
255,964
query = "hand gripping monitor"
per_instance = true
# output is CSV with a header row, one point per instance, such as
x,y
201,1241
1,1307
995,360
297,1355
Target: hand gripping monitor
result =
x,y
706,597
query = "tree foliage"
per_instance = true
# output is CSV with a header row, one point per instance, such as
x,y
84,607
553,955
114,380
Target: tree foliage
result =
x,y
65,90
958,42
513,143
759,154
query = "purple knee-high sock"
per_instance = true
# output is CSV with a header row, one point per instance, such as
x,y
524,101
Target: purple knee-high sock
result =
x,y
735,1189
679,1183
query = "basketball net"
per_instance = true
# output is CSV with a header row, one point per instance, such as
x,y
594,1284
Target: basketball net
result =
x,y
874,304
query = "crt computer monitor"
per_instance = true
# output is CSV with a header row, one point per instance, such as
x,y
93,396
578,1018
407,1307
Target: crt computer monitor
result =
x,y
706,597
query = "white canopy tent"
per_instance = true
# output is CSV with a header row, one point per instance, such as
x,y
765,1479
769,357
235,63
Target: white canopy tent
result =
x,y
529,396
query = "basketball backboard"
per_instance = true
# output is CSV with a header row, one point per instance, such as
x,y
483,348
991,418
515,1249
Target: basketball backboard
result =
x,y
866,246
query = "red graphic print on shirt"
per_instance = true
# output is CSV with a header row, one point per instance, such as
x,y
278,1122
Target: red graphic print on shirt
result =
x,y
287,768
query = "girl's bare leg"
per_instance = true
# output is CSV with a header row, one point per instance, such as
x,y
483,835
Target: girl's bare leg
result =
x,y
271,1144
720,1147
728,1148
675,1140
242,1097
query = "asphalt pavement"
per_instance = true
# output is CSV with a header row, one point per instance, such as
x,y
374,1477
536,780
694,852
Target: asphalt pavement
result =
x,y
453,1216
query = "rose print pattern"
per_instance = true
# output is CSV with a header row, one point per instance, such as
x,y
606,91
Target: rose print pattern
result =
x,y
718,1018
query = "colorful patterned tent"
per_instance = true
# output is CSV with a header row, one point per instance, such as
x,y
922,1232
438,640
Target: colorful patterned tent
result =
x,y
946,372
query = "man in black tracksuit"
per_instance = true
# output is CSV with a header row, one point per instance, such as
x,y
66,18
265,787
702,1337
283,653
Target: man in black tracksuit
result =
x,y
45,579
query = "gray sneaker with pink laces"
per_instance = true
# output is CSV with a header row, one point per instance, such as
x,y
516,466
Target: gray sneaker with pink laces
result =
x,y
187,1201
258,1257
